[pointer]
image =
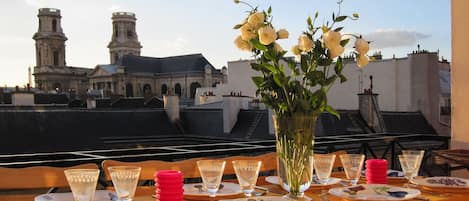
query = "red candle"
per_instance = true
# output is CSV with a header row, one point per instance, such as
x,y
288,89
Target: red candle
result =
x,y
376,171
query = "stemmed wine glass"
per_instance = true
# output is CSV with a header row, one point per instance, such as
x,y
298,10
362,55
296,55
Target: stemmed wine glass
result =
x,y
247,172
352,164
211,172
409,165
125,179
82,183
323,164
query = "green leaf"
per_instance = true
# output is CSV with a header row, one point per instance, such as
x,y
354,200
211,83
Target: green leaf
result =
x,y
258,45
316,15
269,10
340,18
342,78
344,42
333,16
355,15
338,29
332,111
237,26
309,21
331,80
258,80
339,66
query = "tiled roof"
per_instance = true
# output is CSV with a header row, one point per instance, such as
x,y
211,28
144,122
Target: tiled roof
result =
x,y
175,64
407,122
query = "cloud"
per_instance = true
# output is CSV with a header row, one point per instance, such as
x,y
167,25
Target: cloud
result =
x,y
386,38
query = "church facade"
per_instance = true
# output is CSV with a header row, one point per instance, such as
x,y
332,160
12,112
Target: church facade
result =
x,y
127,74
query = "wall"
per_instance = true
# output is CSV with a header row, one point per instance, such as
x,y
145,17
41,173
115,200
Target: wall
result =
x,y
459,72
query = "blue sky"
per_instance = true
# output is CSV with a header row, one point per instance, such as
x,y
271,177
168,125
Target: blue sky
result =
x,y
176,27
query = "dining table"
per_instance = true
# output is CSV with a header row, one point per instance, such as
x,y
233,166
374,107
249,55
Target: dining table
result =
x,y
319,193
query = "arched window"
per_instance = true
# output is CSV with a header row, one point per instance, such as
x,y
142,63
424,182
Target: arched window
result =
x,y
40,25
194,86
146,89
129,91
215,84
56,58
177,89
54,25
164,89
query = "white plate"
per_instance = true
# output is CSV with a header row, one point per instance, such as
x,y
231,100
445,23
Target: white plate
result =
x,y
400,174
275,180
437,182
261,198
100,195
370,194
227,190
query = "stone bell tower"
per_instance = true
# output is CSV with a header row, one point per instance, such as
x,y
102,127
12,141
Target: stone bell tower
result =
x,y
50,39
124,37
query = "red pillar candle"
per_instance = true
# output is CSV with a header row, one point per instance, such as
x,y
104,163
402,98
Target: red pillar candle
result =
x,y
376,171
169,185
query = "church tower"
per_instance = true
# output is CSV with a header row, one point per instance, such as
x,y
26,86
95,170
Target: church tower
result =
x,y
50,39
124,37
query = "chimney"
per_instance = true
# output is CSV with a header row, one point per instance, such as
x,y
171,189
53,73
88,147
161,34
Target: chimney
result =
x,y
369,109
171,106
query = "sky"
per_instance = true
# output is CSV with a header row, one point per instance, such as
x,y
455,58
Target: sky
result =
x,y
179,27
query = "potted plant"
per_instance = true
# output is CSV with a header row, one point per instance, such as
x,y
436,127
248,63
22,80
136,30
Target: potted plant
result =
x,y
298,95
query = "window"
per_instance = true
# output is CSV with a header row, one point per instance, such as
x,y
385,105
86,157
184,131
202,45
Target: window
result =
x,y
56,58
194,87
146,89
116,32
116,57
177,89
40,25
129,34
164,89
54,25
129,91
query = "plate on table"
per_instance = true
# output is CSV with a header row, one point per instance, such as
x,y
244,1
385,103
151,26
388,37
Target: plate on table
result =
x,y
374,192
261,198
442,182
100,195
229,189
315,183
392,174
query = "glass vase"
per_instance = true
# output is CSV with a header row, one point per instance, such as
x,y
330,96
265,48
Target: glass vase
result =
x,y
294,142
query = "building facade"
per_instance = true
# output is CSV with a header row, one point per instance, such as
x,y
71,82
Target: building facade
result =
x,y
51,71
127,74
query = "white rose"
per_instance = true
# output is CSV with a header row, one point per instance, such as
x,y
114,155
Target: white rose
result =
x,y
256,19
242,44
362,46
296,50
336,51
362,60
277,47
282,34
248,32
305,44
267,35
332,39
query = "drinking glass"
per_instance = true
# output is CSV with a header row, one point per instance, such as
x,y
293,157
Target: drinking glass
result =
x,y
409,165
419,153
247,172
125,179
353,164
211,172
82,183
323,164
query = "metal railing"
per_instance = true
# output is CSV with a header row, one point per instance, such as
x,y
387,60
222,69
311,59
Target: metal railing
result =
x,y
376,145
